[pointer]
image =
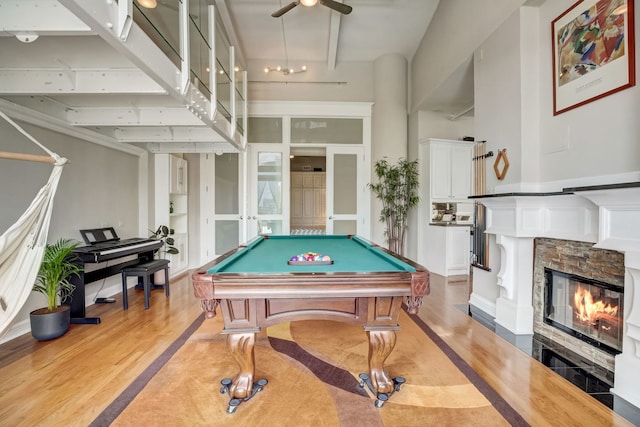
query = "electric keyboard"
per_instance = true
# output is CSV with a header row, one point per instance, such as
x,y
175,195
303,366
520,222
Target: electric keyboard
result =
x,y
106,251
104,246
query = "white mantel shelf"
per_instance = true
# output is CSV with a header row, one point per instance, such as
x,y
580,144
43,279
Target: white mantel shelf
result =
x,y
607,215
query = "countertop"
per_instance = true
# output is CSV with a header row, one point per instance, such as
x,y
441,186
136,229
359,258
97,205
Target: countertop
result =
x,y
451,224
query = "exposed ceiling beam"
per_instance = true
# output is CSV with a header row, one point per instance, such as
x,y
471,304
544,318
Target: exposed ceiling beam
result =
x,y
60,81
43,17
174,134
334,36
191,147
132,116
26,115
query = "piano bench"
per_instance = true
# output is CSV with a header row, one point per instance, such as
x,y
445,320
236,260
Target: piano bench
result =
x,y
145,270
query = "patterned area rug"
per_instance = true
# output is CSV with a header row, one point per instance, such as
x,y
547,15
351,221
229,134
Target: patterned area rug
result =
x,y
312,369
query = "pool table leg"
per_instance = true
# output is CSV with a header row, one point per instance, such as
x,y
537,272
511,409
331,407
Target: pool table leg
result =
x,y
241,347
381,343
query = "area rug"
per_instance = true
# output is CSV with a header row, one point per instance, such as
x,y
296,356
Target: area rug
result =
x,y
312,369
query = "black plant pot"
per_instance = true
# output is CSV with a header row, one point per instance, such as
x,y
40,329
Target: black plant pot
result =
x,y
47,325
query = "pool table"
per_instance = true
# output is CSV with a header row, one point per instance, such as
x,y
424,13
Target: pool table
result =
x,y
256,287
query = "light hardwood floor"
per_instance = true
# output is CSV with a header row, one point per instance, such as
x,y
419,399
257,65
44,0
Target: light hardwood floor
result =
x,y
70,380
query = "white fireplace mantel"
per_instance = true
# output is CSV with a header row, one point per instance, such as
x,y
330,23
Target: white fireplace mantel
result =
x,y
608,216
558,215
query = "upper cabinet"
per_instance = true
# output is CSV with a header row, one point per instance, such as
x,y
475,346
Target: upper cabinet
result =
x,y
449,169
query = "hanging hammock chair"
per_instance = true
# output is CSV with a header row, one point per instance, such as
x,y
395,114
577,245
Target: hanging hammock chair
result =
x,y
22,245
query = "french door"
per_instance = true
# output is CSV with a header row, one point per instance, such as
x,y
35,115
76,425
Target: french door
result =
x,y
268,190
228,180
348,200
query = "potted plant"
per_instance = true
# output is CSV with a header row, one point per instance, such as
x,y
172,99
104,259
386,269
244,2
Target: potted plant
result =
x,y
397,188
53,282
163,233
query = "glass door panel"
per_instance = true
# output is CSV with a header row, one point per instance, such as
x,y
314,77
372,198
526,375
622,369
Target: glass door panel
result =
x,y
269,177
227,235
227,188
345,227
346,196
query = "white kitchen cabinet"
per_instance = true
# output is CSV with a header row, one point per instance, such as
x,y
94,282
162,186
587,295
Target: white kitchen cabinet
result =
x,y
447,250
450,170
458,249
445,183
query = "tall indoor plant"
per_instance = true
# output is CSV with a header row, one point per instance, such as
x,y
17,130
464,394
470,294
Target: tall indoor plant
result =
x,y
52,281
397,189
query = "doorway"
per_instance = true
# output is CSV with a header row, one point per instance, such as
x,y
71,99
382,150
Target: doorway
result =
x,y
308,192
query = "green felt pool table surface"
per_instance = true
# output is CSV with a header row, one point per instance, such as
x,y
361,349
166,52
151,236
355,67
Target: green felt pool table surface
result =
x,y
270,254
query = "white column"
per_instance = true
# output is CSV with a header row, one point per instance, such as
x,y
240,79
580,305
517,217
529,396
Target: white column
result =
x,y
389,122
514,306
627,376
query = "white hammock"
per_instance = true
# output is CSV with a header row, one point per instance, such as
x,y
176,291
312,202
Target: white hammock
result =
x,y
22,245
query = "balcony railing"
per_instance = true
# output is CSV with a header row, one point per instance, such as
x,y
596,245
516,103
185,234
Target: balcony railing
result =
x,y
200,48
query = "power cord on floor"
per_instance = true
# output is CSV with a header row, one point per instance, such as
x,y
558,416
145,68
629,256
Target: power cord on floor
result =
x,y
103,300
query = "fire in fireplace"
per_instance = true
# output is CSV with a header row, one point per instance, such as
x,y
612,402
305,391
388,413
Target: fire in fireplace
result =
x,y
585,308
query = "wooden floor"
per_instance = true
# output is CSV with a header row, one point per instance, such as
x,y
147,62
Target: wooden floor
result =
x,y
70,380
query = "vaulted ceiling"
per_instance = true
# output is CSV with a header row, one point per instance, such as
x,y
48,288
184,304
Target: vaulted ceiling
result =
x,y
62,62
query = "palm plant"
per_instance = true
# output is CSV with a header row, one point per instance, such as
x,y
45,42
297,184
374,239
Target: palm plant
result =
x,y
397,189
55,270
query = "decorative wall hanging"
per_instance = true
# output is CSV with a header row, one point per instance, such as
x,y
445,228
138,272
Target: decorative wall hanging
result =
x,y
502,157
593,52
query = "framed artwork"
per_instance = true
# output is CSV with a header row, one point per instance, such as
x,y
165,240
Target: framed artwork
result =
x,y
593,52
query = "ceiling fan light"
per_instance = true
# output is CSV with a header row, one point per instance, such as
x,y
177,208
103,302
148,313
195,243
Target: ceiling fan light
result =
x,y
149,4
308,3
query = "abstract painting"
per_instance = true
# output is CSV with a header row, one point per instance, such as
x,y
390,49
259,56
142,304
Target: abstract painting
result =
x,y
593,52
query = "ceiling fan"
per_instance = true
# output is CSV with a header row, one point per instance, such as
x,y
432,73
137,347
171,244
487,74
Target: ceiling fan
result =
x,y
331,4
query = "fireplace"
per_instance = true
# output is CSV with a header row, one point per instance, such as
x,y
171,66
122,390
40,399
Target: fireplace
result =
x,y
587,309
590,232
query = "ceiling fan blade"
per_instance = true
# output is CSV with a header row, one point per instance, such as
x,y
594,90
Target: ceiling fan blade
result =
x,y
338,7
287,8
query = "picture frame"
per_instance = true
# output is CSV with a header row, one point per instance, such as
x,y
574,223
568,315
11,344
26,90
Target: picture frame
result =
x,y
593,51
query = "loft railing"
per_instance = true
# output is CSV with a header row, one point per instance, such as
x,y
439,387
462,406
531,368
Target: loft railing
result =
x,y
191,34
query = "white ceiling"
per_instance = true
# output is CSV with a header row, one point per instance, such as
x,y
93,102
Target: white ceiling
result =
x,y
372,29
77,74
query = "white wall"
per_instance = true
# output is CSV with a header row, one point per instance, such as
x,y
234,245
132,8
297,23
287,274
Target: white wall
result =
x,y
349,81
498,97
457,27
438,125
597,139
596,143
98,188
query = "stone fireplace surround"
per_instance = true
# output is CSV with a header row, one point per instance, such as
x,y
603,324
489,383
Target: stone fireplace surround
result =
x,y
606,216
581,259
